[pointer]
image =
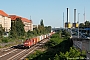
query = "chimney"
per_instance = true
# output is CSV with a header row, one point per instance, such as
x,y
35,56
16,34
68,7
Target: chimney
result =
x,y
67,15
74,15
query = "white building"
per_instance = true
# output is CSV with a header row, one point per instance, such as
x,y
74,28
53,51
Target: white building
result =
x,y
5,21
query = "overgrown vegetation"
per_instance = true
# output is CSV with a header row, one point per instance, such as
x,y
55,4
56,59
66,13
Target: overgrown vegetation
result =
x,y
59,48
35,54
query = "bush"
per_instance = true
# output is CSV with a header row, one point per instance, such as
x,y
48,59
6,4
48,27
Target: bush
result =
x,y
0,46
35,54
5,40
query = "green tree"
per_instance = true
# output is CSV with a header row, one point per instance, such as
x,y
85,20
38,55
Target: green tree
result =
x,y
56,57
46,29
41,28
19,27
41,23
35,32
81,25
1,30
13,32
62,56
74,53
87,24
29,33
66,33
49,28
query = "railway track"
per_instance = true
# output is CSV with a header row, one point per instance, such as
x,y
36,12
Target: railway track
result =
x,y
20,54
5,51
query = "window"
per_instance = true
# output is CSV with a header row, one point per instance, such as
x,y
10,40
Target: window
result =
x,y
5,17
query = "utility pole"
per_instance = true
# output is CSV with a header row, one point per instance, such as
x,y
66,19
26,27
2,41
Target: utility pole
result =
x,y
30,17
78,25
84,15
63,19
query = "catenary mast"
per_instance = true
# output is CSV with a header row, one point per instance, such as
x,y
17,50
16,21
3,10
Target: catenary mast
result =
x,y
63,19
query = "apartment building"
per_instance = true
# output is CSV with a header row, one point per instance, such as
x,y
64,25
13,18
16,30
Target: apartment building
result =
x,y
5,21
28,23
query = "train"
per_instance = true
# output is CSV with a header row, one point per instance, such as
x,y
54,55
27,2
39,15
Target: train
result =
x,y
32,41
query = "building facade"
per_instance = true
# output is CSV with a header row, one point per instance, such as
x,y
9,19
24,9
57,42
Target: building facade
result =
x,y
28,23
5,21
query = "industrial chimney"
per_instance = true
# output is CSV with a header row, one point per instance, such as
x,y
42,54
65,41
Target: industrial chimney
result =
x,y
75,25
67,15
68,24
74,15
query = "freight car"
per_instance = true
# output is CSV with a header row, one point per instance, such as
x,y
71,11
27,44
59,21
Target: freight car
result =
x,y
30,42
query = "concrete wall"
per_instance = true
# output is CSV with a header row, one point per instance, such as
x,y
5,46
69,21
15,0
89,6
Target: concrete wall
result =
x,y
82,44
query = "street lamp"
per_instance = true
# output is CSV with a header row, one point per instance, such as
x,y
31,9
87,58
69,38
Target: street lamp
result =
x,y
78,25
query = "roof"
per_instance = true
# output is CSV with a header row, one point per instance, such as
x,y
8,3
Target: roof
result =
x,y
25,19
3,13
13,17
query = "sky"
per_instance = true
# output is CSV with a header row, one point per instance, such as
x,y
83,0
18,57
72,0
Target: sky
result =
x,y
51,11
